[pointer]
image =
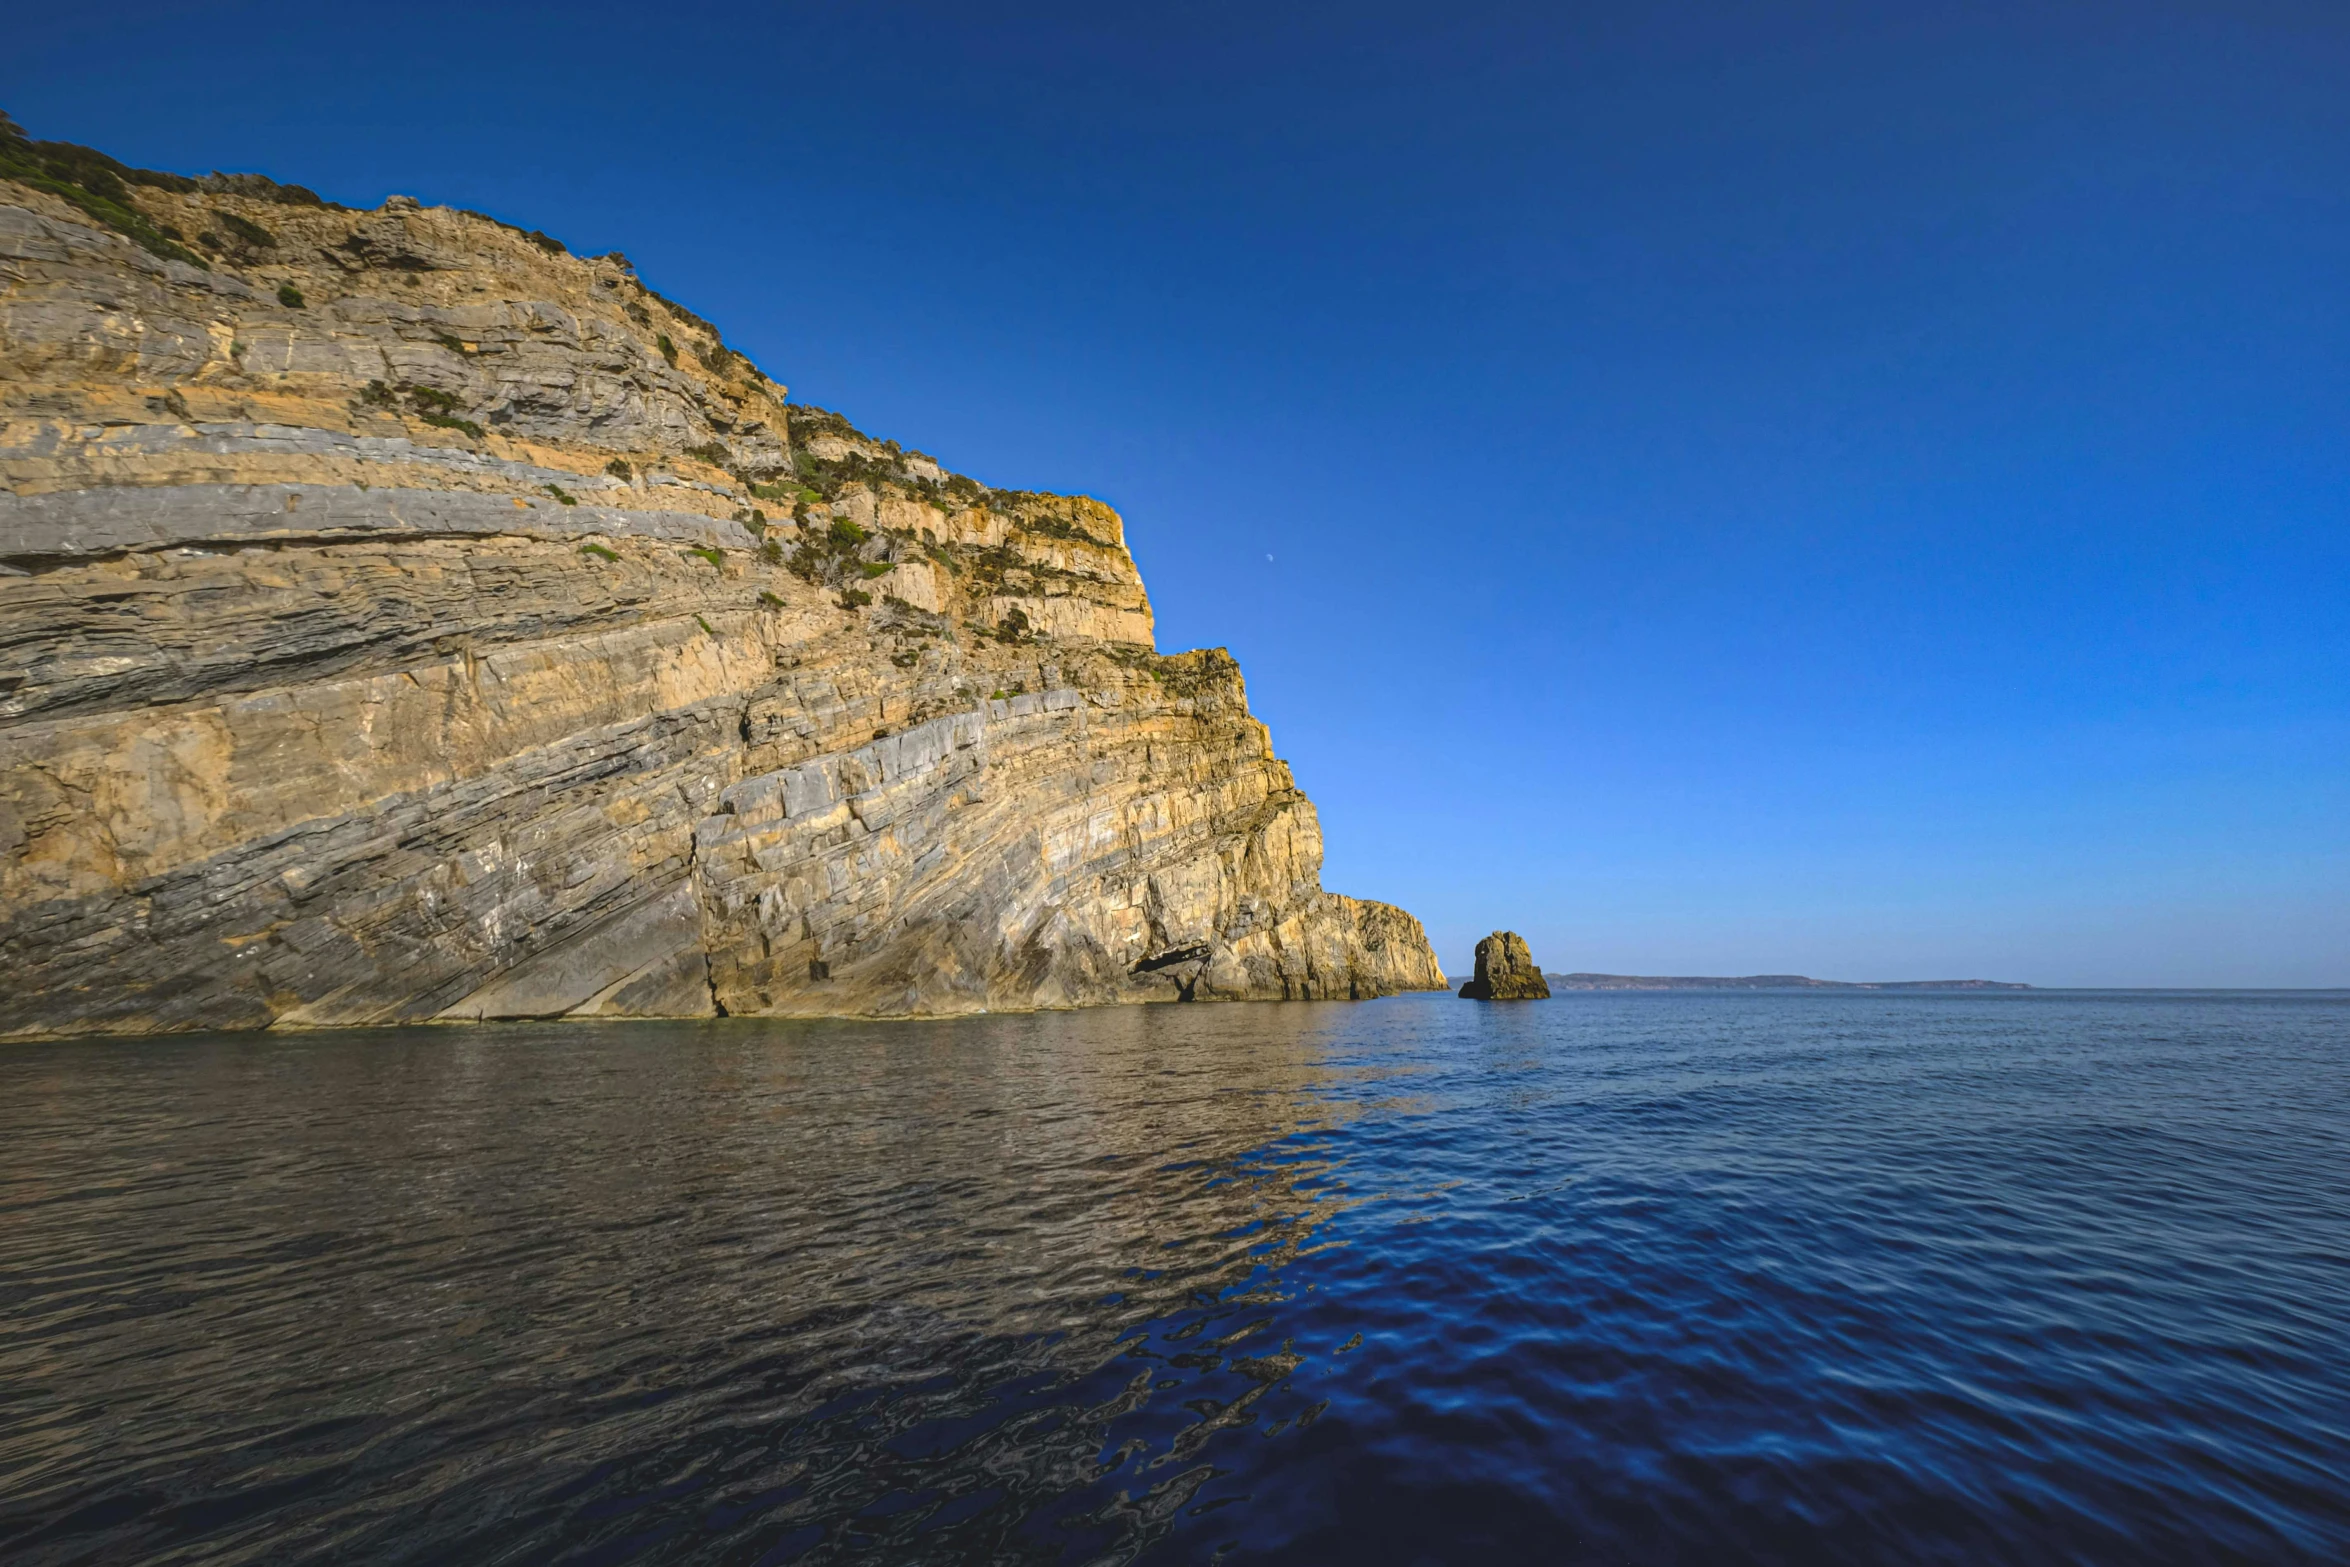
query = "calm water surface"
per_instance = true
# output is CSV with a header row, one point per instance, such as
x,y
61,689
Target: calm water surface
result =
x,y
1650,1278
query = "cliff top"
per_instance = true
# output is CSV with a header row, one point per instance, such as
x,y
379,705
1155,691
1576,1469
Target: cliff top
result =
x,y
287,242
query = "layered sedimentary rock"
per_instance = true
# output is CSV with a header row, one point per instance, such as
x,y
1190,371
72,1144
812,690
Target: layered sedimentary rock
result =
x,y
1505,971
403,619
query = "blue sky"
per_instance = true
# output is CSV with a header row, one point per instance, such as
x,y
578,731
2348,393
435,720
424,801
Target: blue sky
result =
x,y
1846,489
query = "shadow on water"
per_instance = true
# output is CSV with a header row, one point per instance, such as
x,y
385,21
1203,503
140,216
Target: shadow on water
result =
x,y
1661,1278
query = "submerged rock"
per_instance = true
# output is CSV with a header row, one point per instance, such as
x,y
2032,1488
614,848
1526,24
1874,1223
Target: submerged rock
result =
x,y
1506,971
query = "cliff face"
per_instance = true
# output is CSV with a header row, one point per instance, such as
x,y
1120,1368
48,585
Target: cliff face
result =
x,y
401,618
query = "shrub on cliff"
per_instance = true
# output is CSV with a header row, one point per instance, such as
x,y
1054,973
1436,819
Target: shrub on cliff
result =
x,y
428,404
1051,527
546,242
258,187
95,183
247,230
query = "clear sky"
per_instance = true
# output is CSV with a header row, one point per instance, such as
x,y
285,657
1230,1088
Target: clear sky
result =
x,y
1846,489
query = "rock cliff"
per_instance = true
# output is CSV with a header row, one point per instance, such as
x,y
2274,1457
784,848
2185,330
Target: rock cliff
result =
x,y
402,618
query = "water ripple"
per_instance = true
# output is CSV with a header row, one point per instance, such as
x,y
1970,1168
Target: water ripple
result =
x,y
1674,1278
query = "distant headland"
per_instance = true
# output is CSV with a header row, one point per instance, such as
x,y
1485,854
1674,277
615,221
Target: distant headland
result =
x,y
1762,982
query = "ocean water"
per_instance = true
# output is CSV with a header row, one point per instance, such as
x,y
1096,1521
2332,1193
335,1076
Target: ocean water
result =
x,y
1668,1278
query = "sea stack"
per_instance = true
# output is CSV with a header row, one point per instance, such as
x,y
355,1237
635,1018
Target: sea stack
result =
x,y
1506,971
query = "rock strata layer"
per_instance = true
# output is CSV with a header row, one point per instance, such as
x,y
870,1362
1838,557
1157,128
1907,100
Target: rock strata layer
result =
x,y
1506,971
403,619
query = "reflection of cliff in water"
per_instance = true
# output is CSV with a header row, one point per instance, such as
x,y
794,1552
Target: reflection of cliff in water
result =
x,y
997,1286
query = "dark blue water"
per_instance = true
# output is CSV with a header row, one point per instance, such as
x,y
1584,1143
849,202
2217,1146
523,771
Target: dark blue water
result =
x,y
1651,1278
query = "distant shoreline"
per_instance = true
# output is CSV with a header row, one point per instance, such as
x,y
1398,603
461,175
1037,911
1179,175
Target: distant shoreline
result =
x,y
1761,982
